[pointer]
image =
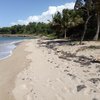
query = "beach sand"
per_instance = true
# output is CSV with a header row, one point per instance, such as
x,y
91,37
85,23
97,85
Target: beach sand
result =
x,y
9,68
56,71
52,77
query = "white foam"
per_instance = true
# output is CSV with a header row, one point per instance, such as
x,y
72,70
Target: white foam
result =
x,y
11,51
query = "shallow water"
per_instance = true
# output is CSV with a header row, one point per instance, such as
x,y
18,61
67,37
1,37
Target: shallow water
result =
x,y
8,44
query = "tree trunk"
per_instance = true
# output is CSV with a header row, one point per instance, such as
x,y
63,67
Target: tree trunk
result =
x,y
85,29
98,27
65,34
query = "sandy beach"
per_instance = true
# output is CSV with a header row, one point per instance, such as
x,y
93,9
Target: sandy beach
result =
x,y
9,68
52,70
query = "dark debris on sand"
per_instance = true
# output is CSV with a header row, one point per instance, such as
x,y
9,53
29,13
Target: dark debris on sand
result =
x,y
83,60
80,87
94,80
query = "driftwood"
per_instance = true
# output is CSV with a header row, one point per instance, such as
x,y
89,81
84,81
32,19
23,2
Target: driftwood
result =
x,y
95,61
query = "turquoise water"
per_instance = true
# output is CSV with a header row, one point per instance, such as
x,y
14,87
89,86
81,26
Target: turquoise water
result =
x,y
8,44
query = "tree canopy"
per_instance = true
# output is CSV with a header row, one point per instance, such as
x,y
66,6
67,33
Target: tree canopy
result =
x,y
82,22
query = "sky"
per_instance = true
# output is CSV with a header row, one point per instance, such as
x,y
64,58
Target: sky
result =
x,y
13,12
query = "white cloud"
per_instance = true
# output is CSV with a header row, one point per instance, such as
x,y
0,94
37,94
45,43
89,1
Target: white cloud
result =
x,y
45,16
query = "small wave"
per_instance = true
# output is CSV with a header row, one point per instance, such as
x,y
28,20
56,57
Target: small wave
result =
x,y
10,46
9,49
7,56
10,43
15,42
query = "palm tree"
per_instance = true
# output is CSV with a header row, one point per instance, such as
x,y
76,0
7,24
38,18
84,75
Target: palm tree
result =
x,y
86,6
56,23
65,20
97,8
70,18
94,4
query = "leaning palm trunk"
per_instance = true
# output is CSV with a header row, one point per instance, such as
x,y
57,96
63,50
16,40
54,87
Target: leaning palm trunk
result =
x,y
85,29
65,34
98,27
97,8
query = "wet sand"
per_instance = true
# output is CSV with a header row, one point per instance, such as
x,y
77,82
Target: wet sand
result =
x,y
9,68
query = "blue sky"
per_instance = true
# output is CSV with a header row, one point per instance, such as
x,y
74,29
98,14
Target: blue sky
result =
x,y
24,11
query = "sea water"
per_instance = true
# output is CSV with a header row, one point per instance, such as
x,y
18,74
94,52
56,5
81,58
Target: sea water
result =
x,y
8,44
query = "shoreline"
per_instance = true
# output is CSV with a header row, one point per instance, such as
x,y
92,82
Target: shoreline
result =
x,y
51,70
9,68
13,44
11,53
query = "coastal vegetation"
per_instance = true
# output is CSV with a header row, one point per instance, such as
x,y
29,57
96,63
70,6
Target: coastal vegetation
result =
x,y
81,23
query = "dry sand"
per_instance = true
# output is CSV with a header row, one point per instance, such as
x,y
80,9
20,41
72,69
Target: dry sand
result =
x,y
52,77
57,71
9,68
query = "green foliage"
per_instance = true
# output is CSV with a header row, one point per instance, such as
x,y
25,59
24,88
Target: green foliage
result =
x,y
68,23
31,28
90,8
62,22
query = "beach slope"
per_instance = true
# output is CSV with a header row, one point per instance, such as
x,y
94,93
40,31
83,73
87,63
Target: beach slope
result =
x,y
54,76
51,70
9,68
